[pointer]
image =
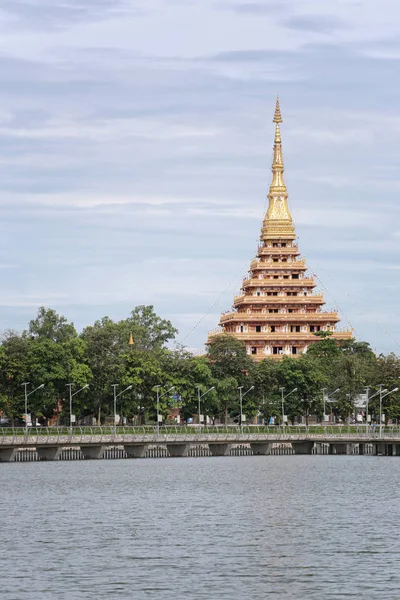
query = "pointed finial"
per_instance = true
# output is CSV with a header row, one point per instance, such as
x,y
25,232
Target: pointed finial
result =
x,y
277,116
131,342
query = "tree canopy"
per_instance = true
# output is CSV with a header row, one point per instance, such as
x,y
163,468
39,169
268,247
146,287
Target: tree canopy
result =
x,y
51,352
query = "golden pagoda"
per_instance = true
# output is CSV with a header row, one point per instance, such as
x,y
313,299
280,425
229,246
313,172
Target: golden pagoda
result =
x,y
278,312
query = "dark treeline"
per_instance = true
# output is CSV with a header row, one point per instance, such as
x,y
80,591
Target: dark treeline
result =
x,y
51,352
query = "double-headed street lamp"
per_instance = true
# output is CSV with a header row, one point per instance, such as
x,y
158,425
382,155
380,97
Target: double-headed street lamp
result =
x,y
71,395
381,396
158,403
115,385
26,400
241,395
380,391
199,397
283,401
326,398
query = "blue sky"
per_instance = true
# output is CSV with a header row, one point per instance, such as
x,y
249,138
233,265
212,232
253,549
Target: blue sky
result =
x,y
135,150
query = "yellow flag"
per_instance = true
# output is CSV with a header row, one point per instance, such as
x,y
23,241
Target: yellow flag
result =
x,y
131,342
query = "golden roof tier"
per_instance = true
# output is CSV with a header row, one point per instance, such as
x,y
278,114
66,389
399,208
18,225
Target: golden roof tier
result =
x,y
278,313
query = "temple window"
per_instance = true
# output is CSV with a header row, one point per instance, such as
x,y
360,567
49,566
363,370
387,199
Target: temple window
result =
x,y
294,350
254,350
273,328
258,328
295,276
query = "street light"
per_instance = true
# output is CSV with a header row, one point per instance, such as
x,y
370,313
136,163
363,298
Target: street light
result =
x,y
283,401
26,400
325,398
115,385
367,403
71,395
158,403
200,397
240,388
381,396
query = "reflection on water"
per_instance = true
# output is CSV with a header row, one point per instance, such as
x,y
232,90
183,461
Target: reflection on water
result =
x,y
290,527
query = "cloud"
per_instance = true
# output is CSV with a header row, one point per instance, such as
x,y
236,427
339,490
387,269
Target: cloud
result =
x,y
106,129
315,23
254,8
47,14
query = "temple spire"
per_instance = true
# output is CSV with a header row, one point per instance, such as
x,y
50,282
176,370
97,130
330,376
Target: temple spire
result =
x,y
277,116
278,221
277,163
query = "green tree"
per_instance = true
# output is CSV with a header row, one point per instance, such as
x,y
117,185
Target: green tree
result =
x,y
227,394
51,326
55,356
105,358
228,358
14,371
388,374
305,375
264,376
149,331
355,371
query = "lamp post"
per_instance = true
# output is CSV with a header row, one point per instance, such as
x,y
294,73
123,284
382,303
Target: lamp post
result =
x,y
71,395
115,385
241,396
283,401
158,403
367,404
199,397
381,396
26,400
325,398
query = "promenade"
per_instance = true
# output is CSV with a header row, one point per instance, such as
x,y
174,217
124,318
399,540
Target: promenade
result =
x,y
134,442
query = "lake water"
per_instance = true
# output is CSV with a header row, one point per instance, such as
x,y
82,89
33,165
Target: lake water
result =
x,y
237,528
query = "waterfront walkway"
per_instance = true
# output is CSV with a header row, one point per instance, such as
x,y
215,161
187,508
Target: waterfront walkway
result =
x,y
141,442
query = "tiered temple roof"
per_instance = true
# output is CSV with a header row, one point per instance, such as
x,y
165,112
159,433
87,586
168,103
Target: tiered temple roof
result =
x,y
278,313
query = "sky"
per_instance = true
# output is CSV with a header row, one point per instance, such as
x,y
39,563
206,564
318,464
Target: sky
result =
x,y
135,151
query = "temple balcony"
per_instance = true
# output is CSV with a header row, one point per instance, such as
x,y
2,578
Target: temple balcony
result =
x,y
317,299
287,250
294,265
289,337
273,283
310,317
